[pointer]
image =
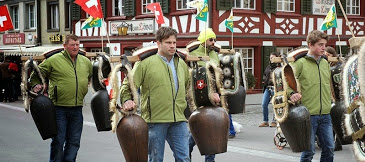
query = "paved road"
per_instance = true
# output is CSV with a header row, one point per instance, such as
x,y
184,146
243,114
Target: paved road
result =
x,y
20,140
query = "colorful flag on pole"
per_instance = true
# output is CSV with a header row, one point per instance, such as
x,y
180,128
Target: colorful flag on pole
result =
x,y
331,19
156,9
91,22
92,7
229,22
5,20
203,12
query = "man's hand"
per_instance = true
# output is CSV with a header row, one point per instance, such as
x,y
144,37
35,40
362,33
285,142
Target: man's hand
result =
x,y
37,88
295,97
128,105
216,97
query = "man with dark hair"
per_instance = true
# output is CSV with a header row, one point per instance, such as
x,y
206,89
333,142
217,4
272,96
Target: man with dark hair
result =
x,y
68,74
313,73
163,80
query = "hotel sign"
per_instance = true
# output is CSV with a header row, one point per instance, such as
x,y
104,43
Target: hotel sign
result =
x,y
134,26
16,38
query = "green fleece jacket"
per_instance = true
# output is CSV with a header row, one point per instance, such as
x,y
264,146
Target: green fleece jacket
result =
x,y
68,81
200,51
314,79
159,101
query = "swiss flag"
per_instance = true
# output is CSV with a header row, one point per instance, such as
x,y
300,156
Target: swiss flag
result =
x,y
92,7
156,8
5,20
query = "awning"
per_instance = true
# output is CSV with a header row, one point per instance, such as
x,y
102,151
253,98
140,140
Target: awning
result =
x,y
33,51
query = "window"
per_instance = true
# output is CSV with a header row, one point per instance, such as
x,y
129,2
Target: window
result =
x,y
286,5
181,4
14,14
353,7
116,5
144,4
30,19
244,4
67,14
248,58
53,18
283,50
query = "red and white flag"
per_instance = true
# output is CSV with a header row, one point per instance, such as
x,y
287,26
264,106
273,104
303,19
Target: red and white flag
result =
x,y
5,20
156,8
92,7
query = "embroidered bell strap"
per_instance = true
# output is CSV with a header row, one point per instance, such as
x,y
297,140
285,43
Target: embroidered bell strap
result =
x,y
355,104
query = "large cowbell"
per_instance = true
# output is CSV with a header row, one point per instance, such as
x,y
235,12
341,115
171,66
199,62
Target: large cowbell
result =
x,y
338,108
209,126
234,82
131,130
41,107
132,133
209,123
44,116
100,99
100,110
294,119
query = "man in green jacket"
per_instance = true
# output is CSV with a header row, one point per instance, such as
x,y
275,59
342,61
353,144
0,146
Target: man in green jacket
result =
x,y
162,80
68,74
313,73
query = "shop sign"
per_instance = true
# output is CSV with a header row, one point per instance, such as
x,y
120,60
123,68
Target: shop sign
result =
x,y
56,38
321,7
16,38
134,26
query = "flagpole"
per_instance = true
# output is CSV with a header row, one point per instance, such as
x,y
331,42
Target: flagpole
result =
x,y
107,33
101,34
232,28
344,15
338,35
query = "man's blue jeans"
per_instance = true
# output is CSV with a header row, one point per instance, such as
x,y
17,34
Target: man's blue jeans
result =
x,y
65,145
176,134
322,127
265,104
208,158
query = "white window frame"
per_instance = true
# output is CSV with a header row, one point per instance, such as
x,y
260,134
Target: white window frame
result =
x,y
116,9
246,59
183,5
350,6
284,5
55,19
14,14
242,6
31,18
144,4
284,50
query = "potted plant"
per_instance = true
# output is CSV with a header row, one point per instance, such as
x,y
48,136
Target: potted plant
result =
x,y
251,80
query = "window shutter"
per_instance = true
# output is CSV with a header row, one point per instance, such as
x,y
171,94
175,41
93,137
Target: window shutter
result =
x,y
269,6
103,7
165,5
75,11
306,7
338,8
265,56
224,4
129,7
